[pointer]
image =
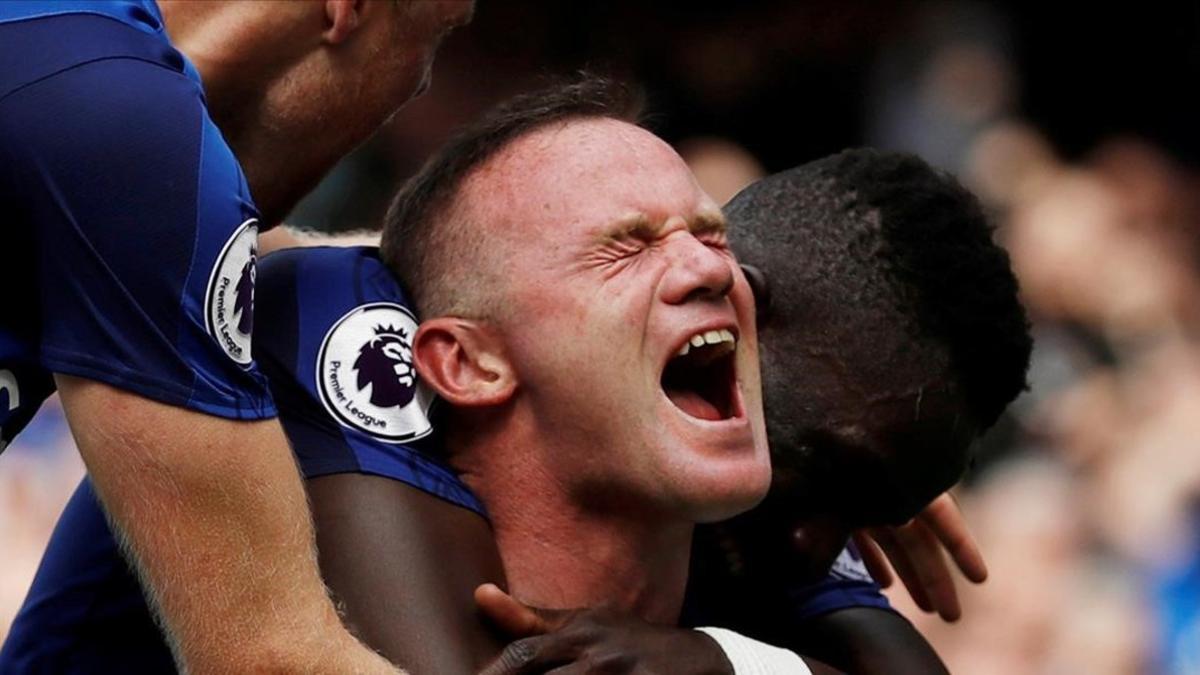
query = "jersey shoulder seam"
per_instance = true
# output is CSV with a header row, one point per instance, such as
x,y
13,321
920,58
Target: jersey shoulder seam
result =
x,y
25,85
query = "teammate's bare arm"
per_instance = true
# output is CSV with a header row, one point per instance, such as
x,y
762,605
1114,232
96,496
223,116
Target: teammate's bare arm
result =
x,y
215,516
402,565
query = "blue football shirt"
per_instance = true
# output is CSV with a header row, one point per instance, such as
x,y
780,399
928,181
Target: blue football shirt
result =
x,y
128,250
334,336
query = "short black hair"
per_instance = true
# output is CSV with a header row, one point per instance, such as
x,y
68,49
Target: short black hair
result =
x,y
419,244
888,258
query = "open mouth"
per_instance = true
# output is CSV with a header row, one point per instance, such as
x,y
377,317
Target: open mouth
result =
x,y
701,378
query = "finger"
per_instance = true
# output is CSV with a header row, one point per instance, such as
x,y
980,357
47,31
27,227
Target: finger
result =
x,y
577,668
874,559
515,617
929,565
606,662
531,655
898,557
510,616
946,521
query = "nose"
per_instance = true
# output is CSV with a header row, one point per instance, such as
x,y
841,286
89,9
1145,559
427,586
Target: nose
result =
x,y
697,271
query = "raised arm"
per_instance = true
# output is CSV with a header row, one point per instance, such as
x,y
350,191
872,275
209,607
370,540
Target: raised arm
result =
x,y
867,640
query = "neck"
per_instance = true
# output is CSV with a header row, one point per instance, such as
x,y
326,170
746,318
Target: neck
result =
x,y
248,54
279,174
557,552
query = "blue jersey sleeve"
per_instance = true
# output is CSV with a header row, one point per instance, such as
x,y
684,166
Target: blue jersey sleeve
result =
x,y
333,336
131,238
336,346
847,585
723,590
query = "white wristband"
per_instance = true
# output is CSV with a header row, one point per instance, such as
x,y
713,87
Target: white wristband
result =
x,y
751,657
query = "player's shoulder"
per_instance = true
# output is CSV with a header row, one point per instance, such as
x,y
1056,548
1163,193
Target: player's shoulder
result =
x,y
321,259
308,295
40,40
141,14
318,301
120,89
329,276
335,341
338,326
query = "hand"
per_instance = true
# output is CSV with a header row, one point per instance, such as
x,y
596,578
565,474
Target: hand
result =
x,y
914,549
579,642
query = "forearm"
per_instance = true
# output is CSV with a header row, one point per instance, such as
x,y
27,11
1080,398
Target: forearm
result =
x,y
416,608
214,516
867,640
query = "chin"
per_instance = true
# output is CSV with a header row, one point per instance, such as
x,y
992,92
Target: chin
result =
x,y
724,491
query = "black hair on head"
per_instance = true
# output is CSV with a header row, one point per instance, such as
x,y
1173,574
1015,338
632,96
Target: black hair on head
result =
x,y
890,265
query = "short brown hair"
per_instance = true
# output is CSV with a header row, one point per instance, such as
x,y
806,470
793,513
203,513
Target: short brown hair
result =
x,y
425,249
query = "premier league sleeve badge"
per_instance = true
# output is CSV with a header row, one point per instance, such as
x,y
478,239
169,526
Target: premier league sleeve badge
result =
x,y
365,374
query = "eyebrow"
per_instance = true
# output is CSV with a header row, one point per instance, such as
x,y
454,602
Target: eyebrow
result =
x,y
639,226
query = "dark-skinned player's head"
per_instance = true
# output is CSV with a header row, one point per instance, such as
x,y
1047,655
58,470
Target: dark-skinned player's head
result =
x,y
891,332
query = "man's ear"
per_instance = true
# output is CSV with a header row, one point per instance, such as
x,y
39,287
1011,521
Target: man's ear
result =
x,y
464,362
341,18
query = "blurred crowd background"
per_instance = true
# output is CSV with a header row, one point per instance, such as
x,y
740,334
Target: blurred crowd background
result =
x,y
1077,128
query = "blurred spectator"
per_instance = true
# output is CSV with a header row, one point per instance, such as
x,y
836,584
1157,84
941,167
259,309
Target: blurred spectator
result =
x,y
38,472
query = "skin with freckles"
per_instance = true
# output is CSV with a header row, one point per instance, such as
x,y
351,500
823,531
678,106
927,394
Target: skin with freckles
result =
x,y
592,475
619,278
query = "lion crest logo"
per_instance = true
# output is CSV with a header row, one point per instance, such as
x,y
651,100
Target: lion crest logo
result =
x,y
10,395
385,364
365,374
229,301
243,296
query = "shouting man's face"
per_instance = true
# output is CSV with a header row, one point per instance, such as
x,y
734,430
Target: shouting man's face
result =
x,y
628,321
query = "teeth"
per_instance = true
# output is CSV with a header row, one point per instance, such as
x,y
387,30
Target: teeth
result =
x,y
711,337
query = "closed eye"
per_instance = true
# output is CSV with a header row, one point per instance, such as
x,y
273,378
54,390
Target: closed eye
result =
x,y
714,240
620,249
614,255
